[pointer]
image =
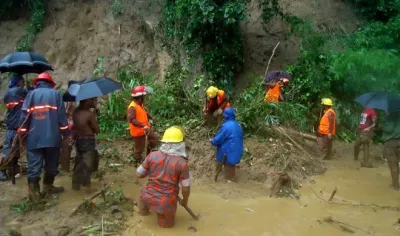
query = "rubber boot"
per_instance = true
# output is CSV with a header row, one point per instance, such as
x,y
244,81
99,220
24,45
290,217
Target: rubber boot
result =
x,y
48,187
34,189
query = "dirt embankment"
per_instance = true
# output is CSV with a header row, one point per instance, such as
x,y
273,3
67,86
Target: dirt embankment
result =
x,y
77,33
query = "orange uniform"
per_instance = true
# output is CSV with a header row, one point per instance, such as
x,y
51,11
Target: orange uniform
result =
x,y
273,94
212,105
141,116
324,125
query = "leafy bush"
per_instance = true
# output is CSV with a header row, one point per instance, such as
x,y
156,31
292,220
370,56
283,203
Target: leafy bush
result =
x,y
34,27
211,27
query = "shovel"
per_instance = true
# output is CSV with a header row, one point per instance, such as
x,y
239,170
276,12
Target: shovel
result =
x,y
219,168
188,210
146,144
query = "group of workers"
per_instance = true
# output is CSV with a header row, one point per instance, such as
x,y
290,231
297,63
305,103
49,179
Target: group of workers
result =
x,y
40,121
37,119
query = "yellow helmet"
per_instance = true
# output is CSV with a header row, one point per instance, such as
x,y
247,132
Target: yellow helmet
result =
x,y
327,102
212,92
173,135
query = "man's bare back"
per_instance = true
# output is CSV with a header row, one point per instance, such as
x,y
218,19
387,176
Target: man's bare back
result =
x,y
85,122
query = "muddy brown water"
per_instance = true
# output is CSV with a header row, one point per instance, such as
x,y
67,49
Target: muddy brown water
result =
x,y
223,210
245,208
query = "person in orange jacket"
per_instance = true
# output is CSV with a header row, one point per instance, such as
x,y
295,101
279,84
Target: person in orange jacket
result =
x,y
274,92
327,128
216,102
139,125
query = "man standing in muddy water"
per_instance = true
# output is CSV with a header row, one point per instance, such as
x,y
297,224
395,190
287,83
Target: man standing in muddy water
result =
x,y
327,128
87,158
365,134
43,121
167,169
391,148
139,125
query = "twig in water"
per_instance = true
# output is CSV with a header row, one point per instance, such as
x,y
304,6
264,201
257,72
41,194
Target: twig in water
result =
x,y
344,226
87,200
333,194
358,204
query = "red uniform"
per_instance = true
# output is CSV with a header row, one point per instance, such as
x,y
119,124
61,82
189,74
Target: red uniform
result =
x,y
161,192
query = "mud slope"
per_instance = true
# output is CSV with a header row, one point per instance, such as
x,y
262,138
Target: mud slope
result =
x,y
77,32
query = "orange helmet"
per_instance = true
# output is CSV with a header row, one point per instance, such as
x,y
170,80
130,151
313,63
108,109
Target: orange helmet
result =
x,y
46,77
139,91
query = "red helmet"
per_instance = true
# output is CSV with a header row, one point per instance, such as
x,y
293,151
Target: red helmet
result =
x,y
139,91
44,76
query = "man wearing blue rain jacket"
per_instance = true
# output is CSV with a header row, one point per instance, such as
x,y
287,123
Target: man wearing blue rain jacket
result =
x,y
229,143
13,100
46,121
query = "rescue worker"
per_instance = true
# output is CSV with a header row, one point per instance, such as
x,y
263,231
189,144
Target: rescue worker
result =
x,y
46,121
365,134
274,91
139,124
87,158
391,148
215,103
67,143
167,169
327,128
229,143
13,99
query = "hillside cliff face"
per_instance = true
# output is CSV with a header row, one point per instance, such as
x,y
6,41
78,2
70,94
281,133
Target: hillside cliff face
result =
x,y
77,33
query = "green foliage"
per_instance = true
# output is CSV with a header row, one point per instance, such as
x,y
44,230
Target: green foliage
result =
x,y
211,27
10,9
174,103
116,8
34,27
381,10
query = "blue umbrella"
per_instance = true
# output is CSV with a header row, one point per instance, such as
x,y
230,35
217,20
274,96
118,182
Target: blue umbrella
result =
x,y
93,87
24,63
385,101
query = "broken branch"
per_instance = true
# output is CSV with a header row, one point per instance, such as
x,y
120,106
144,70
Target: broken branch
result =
x,y
89,199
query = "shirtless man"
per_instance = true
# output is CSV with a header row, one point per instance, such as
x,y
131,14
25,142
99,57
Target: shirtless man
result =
x,y
85,128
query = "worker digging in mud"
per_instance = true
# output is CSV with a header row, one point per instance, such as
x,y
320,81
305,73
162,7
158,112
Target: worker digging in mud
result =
x,y
274,91
139,125
365,134
391,148
13,99
229,143
216,102
68,143
43,121
327,128
87,157
167,169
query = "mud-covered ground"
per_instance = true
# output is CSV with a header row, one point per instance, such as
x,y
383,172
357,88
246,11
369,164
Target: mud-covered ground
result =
x,y
263,158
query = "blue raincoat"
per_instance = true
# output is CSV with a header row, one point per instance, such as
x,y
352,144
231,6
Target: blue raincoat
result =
x,y
14,99
229,139
47,120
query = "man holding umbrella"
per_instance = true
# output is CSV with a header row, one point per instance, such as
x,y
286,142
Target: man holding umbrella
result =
x,y
43,121
274,81
139,125
13,99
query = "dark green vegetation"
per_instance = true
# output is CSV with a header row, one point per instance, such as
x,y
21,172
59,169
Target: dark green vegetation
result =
x,y
10,9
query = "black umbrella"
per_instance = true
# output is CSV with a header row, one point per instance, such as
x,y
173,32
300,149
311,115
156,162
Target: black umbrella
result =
x,y
93,87
276,75
385,101
24,63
